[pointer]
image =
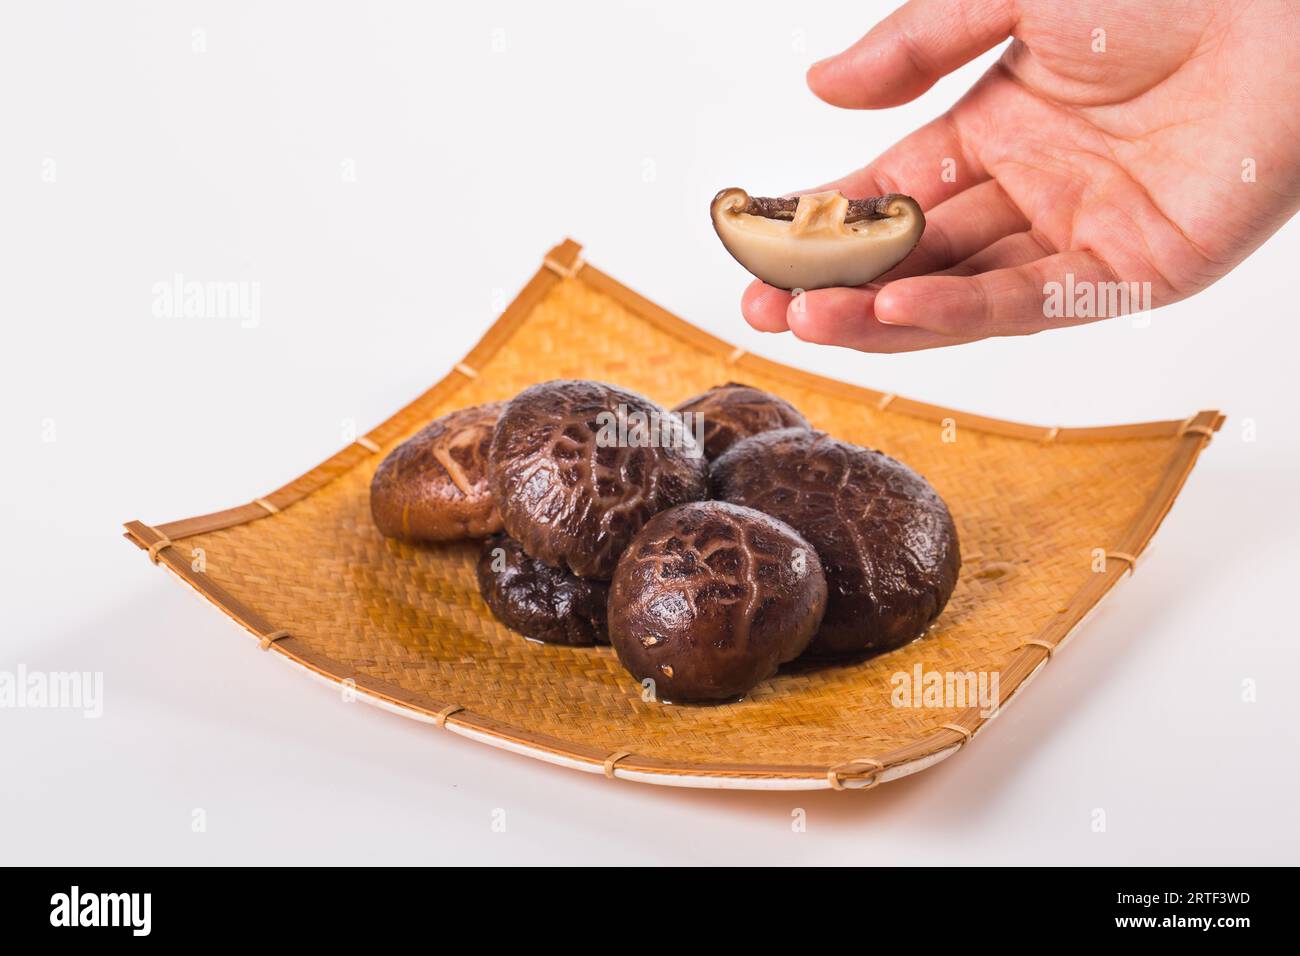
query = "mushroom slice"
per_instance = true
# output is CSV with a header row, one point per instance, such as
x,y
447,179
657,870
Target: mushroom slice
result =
x,y
819,240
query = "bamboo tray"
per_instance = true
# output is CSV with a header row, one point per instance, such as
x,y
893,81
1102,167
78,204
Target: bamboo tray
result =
x,y
1050,519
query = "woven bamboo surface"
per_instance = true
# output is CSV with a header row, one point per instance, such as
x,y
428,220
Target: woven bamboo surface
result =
x,y
1035,507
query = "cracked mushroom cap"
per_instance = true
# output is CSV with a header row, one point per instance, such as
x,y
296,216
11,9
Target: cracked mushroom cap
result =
x,y
577,467
541,602
733,411
711,598
819,240
434,486
885,538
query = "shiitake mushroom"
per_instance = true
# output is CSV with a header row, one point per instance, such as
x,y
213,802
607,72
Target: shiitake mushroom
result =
x,y
734,411
819,240
434,486
539,601
816,546
577,467
885,538
710,598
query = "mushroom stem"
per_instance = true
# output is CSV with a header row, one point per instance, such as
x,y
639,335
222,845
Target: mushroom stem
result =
x,y
873,207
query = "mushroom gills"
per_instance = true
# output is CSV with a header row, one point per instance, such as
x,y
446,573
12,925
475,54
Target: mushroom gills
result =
x,y
820,240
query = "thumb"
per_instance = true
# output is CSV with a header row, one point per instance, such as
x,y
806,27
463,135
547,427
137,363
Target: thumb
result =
x,y
909,50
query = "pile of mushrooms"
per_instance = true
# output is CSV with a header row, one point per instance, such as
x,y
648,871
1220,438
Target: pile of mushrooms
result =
x,y
709,552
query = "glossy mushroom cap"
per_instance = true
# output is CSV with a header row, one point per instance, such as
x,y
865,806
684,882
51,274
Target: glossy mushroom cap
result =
x,y
577,467
539,601
885,537
819,240
733,411
434,486
711,598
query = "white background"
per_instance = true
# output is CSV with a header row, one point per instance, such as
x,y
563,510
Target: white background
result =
x,y
480,135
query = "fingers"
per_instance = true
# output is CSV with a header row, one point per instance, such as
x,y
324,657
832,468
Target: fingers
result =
x,y
1018,249
909,50
764,307
845,317
1011,301
842,317
960,227
930,165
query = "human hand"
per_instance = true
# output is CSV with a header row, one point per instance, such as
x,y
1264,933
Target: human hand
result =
x,y
1163,151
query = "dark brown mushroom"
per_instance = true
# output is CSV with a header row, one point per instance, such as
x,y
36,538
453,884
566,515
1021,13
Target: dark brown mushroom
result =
x,y
578,467
711,598
541,602
433,486
819,240
734,411
885,537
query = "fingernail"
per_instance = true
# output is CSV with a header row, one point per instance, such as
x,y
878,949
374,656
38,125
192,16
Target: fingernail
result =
x,y
885,312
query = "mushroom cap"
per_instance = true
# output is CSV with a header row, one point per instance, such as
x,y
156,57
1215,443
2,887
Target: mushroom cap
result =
x,y
734,411
710,598
541,602
813,247
886,540
574,485
434,486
